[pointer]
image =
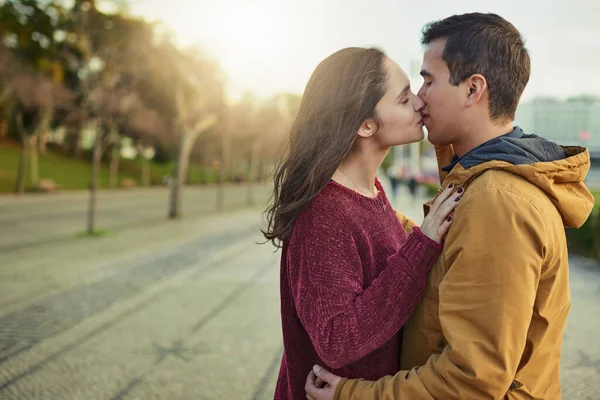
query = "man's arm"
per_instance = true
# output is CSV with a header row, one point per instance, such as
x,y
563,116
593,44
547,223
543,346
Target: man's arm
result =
x,y
407,223
494,251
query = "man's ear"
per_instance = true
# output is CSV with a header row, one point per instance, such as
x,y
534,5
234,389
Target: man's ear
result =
x,y
476,85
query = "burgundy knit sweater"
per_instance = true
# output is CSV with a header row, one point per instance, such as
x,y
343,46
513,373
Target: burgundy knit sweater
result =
x,y
350,278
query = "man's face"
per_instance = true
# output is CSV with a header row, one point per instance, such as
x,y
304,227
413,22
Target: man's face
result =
x,y
443,101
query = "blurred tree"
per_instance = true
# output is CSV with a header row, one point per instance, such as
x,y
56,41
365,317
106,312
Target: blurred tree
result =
x,y
279,116
110,54
33,99
252,136
27,30
147,126
238,132
128,78
199,100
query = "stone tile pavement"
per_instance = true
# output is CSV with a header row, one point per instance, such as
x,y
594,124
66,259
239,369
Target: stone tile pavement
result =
x,y
184,310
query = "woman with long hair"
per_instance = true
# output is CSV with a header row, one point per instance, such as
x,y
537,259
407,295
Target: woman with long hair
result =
x,y
352,269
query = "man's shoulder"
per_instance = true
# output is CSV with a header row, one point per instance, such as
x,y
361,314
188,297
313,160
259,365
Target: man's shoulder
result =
x,y
497,181
500,191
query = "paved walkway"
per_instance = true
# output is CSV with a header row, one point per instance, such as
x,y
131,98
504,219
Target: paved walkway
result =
x,y
196,317
38,219
183,310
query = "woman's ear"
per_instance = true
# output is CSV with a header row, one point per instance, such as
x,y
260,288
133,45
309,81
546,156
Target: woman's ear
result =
x,y
368,128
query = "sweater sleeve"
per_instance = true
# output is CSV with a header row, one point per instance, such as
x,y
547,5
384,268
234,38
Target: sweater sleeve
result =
x,y
345,320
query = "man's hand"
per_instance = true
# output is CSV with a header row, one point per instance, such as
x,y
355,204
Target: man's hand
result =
x,y
321,384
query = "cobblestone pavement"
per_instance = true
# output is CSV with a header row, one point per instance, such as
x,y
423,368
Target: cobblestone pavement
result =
x,y
196,319
183,310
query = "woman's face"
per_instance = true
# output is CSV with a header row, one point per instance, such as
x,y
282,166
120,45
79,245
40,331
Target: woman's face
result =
x,y
399,110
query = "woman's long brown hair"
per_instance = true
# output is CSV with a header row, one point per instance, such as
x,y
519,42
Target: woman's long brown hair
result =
x,y
341,94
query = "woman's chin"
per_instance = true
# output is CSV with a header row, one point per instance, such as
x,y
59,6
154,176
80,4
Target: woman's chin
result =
x,y
420,135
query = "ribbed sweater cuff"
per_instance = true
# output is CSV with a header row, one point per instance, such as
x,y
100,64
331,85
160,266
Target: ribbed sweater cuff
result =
x,y
421,251
427,239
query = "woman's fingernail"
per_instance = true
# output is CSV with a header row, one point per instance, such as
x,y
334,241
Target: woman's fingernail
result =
x,y
316,368
449,218
460,190
451,185
457,199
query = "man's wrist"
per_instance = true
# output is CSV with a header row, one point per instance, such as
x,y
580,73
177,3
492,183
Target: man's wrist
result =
x,y
338,389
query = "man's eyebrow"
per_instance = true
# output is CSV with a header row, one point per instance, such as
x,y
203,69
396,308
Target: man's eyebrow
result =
x,y
425,74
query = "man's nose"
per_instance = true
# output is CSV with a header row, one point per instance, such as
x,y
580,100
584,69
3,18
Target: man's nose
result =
x,y
421,93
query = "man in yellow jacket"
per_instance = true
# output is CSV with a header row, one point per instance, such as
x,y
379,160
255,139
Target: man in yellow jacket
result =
x,y
491,323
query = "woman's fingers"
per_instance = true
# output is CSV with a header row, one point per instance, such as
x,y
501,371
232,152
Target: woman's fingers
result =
x,y
443,196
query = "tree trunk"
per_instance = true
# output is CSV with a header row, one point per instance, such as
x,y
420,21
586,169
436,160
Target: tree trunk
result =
x,y
115,157
33,158
185,148
44,126
146,172
253,172
76,143
42,129
79,132
96,155
225,159
22,171
220,190
38,142
249,186
3,128
43,141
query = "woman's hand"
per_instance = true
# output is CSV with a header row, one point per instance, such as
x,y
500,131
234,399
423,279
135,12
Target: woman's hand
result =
x,y
436,223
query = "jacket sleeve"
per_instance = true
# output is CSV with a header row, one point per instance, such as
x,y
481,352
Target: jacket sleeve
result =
x,y
345,320
407,223
495,254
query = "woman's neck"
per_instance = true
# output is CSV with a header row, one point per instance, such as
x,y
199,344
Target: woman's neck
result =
x,y
358,171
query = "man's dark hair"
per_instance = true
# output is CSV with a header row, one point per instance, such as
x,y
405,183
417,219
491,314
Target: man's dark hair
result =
x,y
489,45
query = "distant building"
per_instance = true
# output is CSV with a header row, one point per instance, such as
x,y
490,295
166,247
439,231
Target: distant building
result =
x,y
575,122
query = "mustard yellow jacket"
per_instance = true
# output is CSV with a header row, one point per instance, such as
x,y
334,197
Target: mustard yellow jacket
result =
x,y
491,323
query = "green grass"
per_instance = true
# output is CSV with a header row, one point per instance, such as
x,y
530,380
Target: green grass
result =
x,y
97,233
586,240
74,174
596,198
67,173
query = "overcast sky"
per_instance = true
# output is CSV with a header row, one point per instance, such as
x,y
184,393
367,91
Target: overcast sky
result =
x,y
274,45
